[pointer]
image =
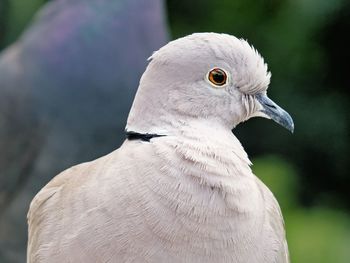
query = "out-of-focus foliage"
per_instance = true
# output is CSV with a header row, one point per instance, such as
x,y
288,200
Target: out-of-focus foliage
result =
x,y
14,16
280,176
317,235
306,46
3,5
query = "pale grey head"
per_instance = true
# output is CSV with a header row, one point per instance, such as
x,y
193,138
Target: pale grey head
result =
x,y
204,76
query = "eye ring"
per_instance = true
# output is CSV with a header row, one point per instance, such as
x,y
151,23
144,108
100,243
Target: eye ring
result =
x,y
217,77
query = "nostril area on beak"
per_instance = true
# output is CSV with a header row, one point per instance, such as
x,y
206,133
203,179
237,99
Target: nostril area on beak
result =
x,y
271,106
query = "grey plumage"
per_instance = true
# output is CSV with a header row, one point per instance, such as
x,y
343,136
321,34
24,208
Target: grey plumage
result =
x,y
188,196
56,88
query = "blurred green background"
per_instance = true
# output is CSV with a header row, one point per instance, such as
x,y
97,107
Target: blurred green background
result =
x,y
306,45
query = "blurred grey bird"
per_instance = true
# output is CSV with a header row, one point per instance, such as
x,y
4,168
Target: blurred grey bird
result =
x,y
180,188
56,88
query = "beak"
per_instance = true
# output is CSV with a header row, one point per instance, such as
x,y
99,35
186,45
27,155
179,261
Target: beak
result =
x,y
275,112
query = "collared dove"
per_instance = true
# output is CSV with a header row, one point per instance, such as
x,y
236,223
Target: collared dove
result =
x,y
56,85
180,188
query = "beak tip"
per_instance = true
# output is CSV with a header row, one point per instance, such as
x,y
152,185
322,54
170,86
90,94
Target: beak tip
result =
x,y
291,129
289,125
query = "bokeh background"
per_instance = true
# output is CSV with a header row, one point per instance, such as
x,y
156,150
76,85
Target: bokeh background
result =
x,y
305,43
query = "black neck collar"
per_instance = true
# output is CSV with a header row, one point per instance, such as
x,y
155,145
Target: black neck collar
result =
x,y
146,137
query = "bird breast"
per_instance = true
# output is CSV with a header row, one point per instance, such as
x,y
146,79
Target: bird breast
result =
x,y
203,197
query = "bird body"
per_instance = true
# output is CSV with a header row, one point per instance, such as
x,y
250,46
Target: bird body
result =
x,y
177,198
56,85
187,195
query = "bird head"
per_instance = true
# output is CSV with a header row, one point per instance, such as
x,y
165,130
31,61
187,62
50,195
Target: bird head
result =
x,y
204,76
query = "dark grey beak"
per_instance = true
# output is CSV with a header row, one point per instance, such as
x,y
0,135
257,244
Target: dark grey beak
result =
x,y
275,112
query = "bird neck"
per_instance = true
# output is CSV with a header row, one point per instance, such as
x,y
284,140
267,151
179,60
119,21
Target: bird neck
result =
x,y
205,173
207,152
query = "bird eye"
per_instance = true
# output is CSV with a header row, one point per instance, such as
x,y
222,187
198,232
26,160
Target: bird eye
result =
x,y
217,76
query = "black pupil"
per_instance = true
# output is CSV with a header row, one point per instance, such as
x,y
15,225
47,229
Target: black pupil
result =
x,y
218,76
